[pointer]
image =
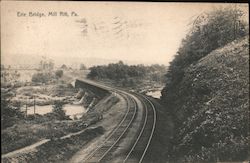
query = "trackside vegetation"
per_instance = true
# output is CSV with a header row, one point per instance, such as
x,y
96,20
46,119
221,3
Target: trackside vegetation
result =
x,y
207,89
127,75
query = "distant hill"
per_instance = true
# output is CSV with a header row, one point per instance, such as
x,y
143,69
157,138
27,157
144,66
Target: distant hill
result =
x,y
211,106
92,61
21,60
28,60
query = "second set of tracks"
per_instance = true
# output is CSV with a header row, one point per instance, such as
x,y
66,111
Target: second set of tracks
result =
x,y
140,147
137,152
102,152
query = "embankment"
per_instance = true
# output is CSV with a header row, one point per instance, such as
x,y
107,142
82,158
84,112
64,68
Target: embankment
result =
x,y
210,107
64,137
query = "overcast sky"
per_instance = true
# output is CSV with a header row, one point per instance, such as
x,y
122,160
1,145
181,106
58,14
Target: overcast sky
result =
x,y
144,32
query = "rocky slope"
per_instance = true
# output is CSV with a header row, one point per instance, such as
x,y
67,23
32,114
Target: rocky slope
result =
x,y
211,107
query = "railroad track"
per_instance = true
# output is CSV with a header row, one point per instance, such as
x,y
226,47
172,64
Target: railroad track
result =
x,y
102,152
138,150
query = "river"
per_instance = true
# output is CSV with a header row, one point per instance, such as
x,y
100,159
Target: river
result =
x,y
70,109
155,93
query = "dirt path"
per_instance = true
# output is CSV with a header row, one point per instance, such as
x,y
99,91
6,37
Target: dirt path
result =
x,y
113,114
27,149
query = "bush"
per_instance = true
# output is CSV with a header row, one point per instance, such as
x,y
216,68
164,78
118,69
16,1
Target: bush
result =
x,y
58,111
209,32
125,74
59,73
208,94
9,114
41,77
64,67
83,67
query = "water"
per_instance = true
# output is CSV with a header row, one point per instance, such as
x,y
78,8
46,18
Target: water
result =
x,y
155,94
70,110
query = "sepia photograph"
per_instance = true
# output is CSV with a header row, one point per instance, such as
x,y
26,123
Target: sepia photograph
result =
x,y
124,82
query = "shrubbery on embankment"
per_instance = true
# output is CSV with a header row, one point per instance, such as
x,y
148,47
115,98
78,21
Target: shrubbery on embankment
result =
x,y
207,91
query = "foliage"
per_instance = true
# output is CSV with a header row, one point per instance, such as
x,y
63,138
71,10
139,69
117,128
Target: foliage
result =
x,y
59,73
209,31
46,64
58,111
207,89
41,77
46,76
9,114
9,76
64,67
83,67
212,107
127,75
59,150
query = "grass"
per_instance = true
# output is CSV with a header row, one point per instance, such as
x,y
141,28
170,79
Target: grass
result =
x,y
28,132
59,150
211,107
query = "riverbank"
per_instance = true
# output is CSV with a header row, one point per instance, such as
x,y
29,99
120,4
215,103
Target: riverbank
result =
x,y
38,127
62,136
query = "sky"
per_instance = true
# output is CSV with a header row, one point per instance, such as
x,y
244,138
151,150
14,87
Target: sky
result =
x,y
140,32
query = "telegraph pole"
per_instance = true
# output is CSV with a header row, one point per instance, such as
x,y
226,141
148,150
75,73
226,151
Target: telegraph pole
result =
x,y
26,111
235,21
34,104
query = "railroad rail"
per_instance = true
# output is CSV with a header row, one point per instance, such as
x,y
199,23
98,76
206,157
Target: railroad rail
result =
x,y
138,150
102,152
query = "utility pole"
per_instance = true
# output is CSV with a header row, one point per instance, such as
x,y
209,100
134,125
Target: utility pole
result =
x,y
26,111
235,22
34,104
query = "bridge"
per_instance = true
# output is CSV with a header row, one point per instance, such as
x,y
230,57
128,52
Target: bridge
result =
x,y
100,92
139,142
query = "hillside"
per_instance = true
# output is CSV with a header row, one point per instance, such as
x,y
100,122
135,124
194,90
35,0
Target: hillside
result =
x,y
211,106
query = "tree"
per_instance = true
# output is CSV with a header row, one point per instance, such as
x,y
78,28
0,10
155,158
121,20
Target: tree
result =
x,y
51,65
46,64
9,114
41,77
64,67
209,32
58,110
82,67
121,72
59,73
